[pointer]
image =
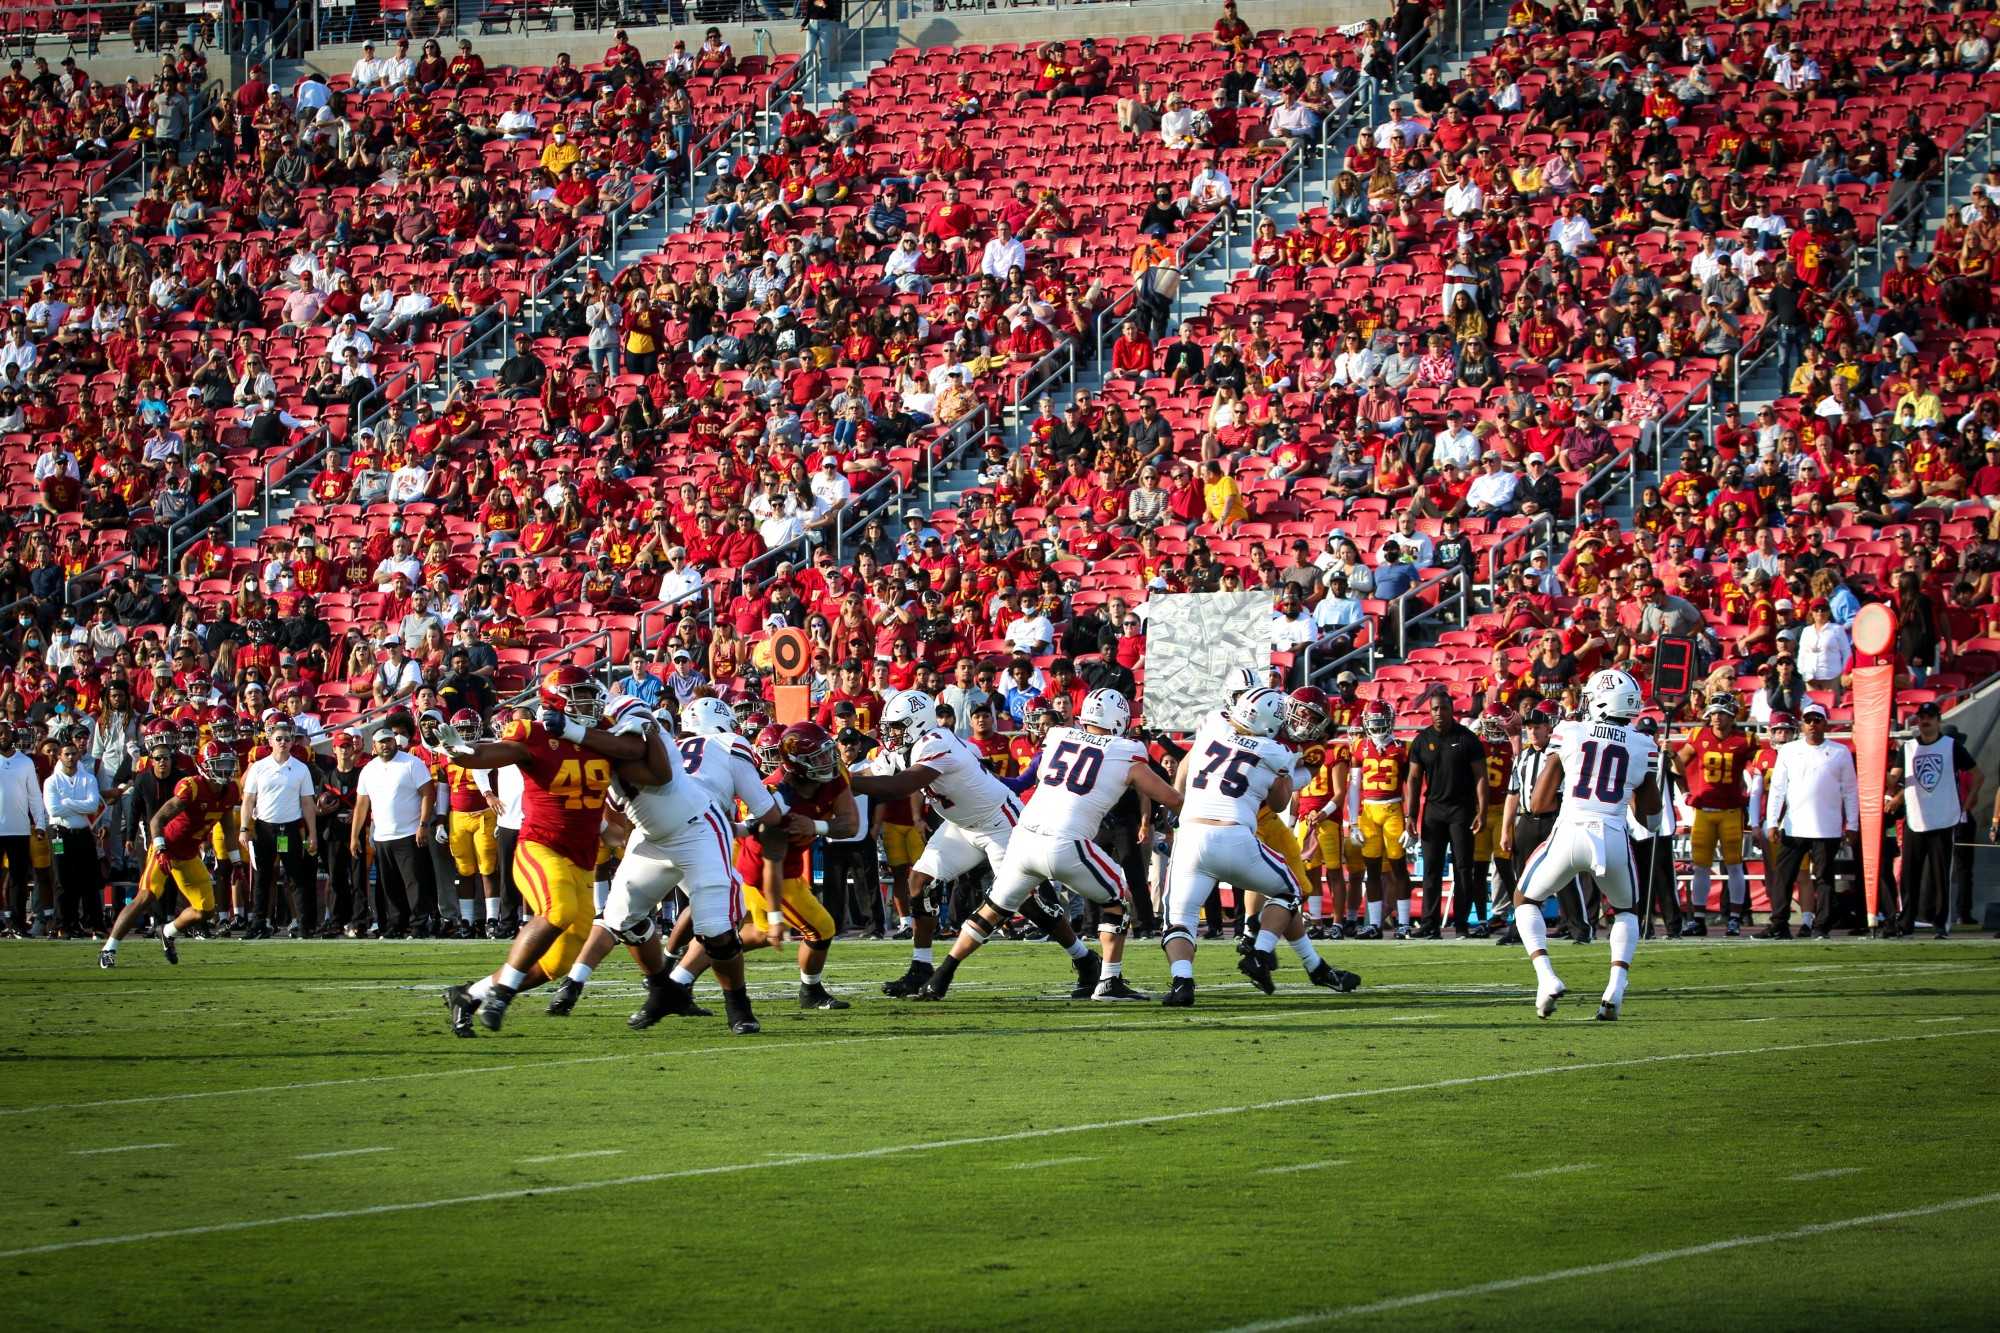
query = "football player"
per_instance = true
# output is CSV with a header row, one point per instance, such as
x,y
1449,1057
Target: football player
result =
x,y
1600,765
1234,771
472,823
1715,766
1082,771
1380,764
979,817
567,765
179,827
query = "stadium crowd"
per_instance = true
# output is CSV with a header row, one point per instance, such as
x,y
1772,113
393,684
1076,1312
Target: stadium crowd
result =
x,y
1519,278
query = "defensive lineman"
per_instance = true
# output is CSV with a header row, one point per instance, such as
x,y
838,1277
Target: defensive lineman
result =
x,y
979,814
1235,769
1083,771
1597,768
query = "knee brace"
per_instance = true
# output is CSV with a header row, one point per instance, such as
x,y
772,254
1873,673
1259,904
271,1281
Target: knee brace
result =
x,y
924,903
635,935
1037,914
818,947
1172,933
721,948
1111,919
979,926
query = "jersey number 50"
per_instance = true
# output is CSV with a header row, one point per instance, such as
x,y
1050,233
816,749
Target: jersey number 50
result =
x,y
1235,779
1073,767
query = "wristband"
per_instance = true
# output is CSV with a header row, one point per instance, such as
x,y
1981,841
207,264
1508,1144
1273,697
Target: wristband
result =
x,y
774,921
820,826
159,843
236,858
573,730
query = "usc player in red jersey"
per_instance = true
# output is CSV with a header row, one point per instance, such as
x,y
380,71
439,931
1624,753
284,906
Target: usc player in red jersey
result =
x,y
1715,765
802,768
566,764
472,821
179,826
1498,724
1380,764
221,726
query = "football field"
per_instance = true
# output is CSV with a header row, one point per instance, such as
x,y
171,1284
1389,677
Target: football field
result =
x,y
1782,1135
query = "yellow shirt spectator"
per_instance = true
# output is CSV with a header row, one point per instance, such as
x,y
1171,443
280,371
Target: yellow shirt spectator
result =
x,y
559,154
1222,499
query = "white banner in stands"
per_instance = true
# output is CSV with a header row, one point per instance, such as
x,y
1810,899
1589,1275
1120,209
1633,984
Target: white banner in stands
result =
x,y
1192,642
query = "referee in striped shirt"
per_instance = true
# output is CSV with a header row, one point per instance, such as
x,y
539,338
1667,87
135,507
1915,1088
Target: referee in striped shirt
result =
x,y
1521,830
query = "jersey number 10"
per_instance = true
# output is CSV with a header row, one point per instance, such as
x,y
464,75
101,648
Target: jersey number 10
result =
x,y
1073,767
1609,776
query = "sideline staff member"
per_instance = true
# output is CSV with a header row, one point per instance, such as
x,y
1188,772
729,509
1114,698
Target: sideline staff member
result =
x,y
279,820
1448,766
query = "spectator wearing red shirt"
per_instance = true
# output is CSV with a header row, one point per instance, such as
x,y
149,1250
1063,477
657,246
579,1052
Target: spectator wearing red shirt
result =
x,y
951,222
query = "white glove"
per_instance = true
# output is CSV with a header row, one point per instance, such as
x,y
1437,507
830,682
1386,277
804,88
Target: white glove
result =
x,y
1356,836
452,742
1410,841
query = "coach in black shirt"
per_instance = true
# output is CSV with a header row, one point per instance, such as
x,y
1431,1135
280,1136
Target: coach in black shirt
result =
x,y
1447,764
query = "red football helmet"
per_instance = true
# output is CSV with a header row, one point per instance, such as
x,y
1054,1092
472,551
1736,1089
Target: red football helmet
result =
x,y
1497,723
468,723
187,729
573,692
217,762
770,752
224,726
1784,722
809,753
160,737
1378,722
1307,715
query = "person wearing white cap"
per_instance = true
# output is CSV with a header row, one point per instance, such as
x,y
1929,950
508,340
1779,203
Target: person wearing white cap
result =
x,y
1814,802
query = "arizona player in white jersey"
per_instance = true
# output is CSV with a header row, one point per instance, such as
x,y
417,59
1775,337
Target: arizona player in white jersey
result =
x,y
1235,769
1597,767
979,814
1083,771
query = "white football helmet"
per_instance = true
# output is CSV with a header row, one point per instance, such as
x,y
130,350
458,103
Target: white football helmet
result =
x,y
907,719
1259,712
707,717
1106,709
1612,696
629,716
1241,680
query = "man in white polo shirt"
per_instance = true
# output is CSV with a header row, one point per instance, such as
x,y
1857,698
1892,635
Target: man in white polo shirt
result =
x,y
1814,802
279,818
392,807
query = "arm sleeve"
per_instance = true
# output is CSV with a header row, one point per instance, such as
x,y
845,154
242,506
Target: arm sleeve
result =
x,y
750,789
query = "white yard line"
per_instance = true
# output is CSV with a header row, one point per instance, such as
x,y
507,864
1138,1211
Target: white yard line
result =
x,y
1300,1166
130,1147
338,1152
572,1156
1339,1313
1018,1136
1830,1173
1564,1170
1949,1018
1050,1161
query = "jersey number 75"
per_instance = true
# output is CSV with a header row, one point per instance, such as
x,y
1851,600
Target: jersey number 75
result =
x,y
1236,766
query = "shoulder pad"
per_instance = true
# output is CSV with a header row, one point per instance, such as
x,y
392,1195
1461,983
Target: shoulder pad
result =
x,y
520,729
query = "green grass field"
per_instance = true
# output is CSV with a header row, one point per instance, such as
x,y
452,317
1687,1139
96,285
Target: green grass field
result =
x,y
1784,1135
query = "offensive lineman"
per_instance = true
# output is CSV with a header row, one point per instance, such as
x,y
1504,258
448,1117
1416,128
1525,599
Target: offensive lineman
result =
x,y
1082,772
1234,770
979,813
1598,767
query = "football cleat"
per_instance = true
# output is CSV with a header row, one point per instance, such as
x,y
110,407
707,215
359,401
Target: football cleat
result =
x,y
816,996
1694,928
1427,933
493,1009
1114,988
1180,995
1370,932
1403,932
1089,971
1507,935
1331,977
1775,931
741,1021
1244,944
567,994
1734,928
1258,966
107,958
903,987
665,996
1607,1012
1546,997
167,944
1476,931
458,999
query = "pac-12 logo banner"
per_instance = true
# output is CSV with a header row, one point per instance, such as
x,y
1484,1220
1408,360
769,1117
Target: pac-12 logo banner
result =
x,y
1192,641
1929,771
